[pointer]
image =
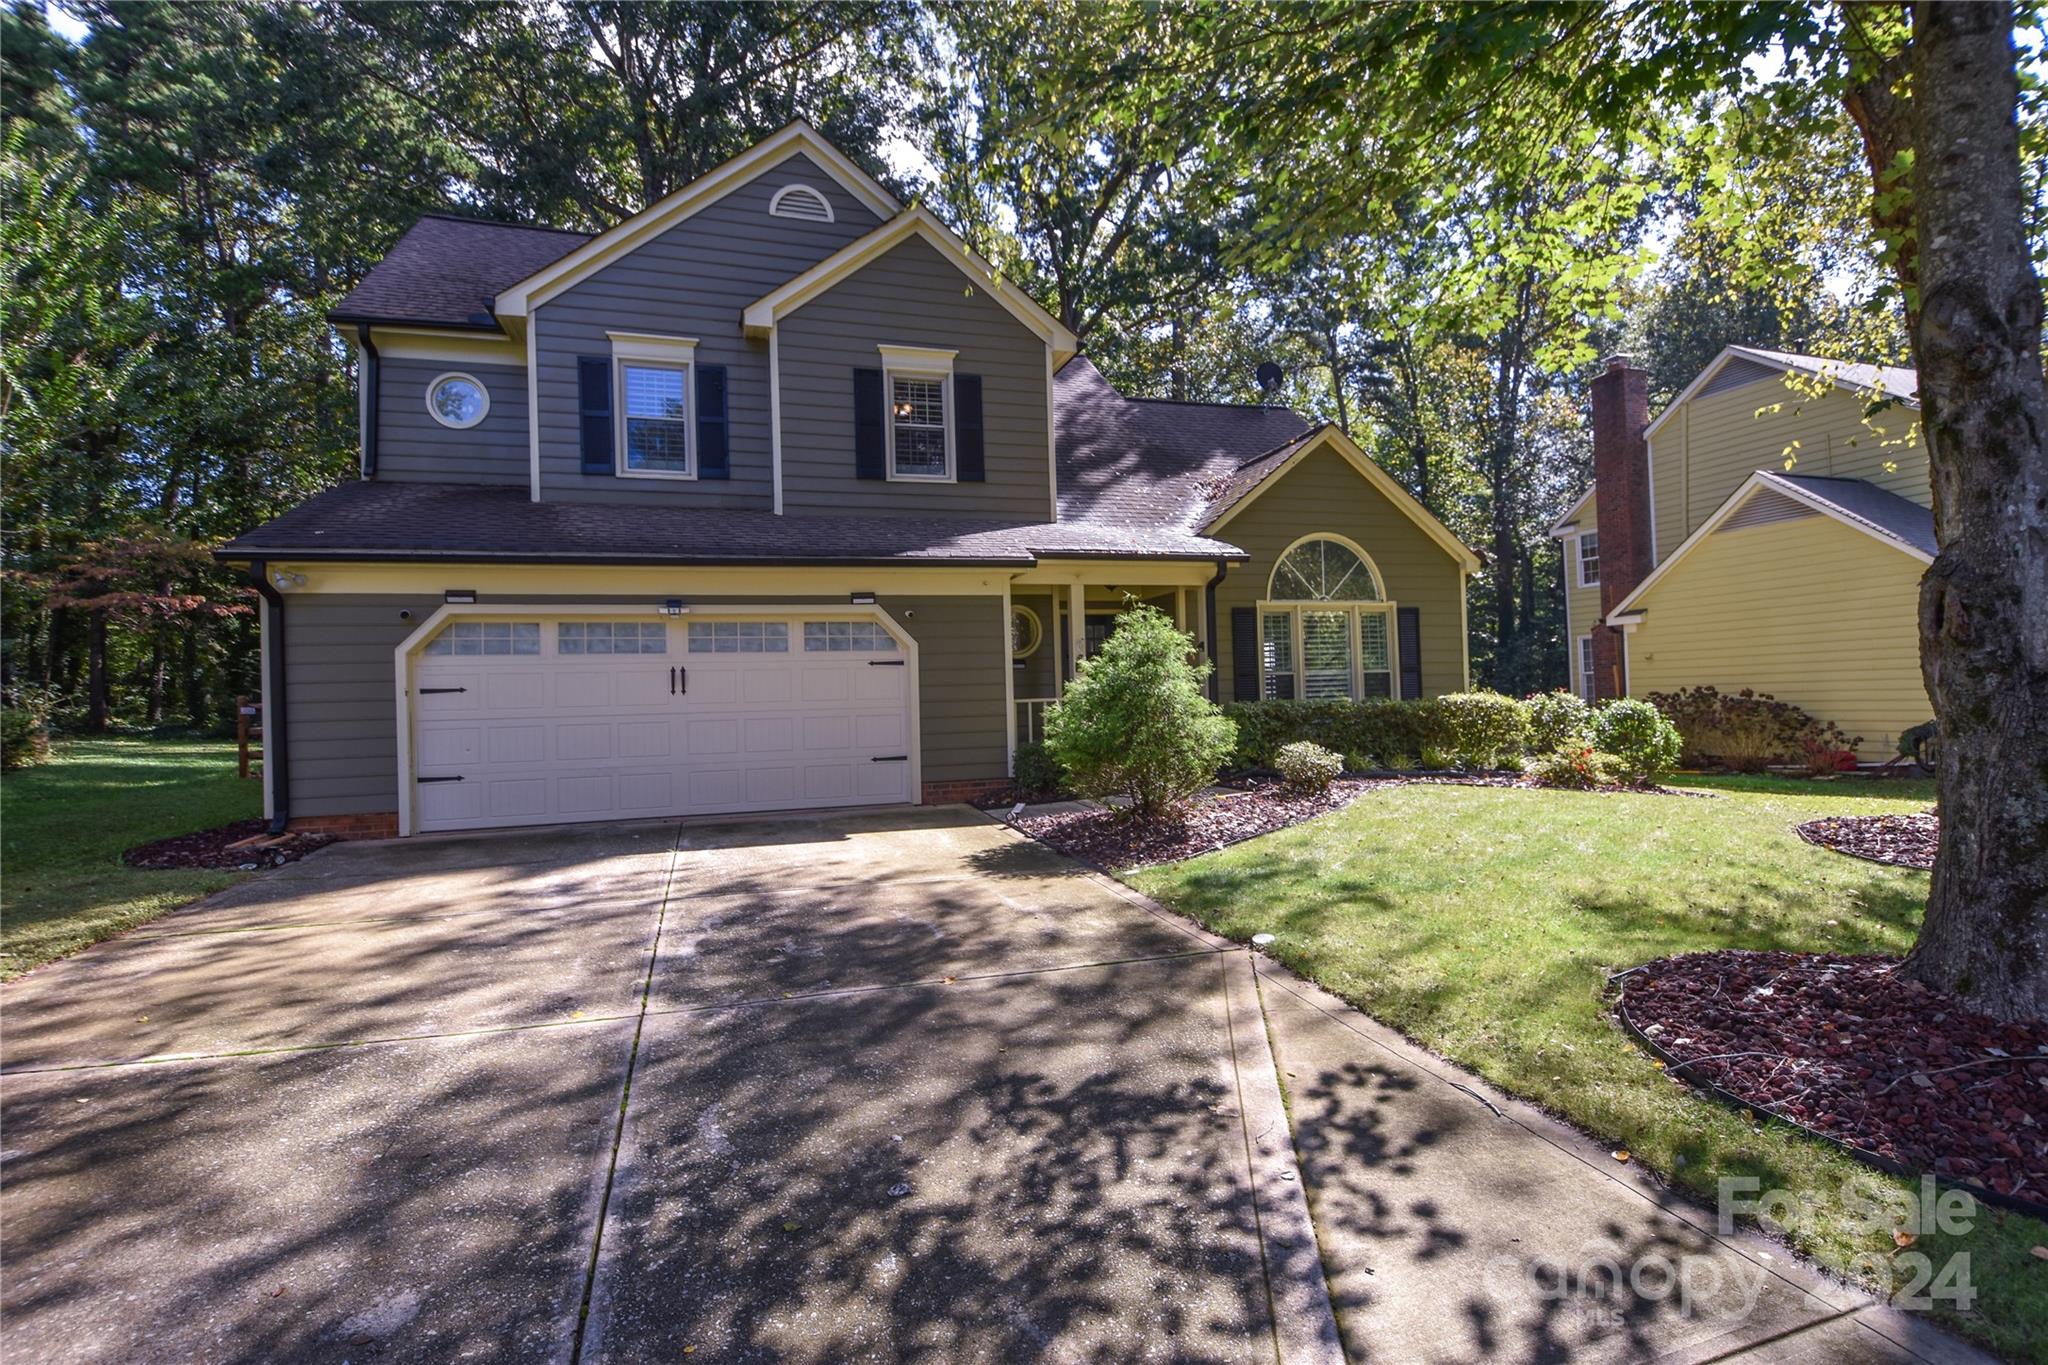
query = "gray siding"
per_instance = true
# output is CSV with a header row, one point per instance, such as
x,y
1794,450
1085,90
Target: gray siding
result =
x,y
693,280
413,447
912,296
342,712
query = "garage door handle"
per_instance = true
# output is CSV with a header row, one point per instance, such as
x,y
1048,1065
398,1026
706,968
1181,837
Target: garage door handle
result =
x,y
684,674
885,663
671,682
424,780
431,691
890,758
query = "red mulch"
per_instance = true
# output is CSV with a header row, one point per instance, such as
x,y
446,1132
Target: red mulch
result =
x,y
209,848
1849,1047
1111,839
1901,840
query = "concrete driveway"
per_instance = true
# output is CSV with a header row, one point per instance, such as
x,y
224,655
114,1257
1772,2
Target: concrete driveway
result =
x,y
883,1085
887,1085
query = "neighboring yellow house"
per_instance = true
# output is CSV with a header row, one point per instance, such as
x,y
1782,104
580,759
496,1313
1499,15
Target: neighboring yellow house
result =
x,y
1787,498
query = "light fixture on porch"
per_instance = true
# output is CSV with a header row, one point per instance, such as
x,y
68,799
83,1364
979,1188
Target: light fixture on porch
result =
x,y
459,596
286,581
672,607
862,599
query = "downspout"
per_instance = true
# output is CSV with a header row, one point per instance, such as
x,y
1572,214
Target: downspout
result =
x,y
273,699
1209,608
372,380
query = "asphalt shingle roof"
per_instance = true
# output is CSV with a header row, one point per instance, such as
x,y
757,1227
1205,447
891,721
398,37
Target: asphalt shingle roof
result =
x,y
467,522
446,271
1900,518
1893,380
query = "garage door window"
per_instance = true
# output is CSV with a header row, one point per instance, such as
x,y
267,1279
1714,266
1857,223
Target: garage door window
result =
x,y
841,637
739,637
611,637
487,637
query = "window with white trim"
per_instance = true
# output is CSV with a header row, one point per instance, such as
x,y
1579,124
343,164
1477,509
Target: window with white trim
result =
x,y
1589,559
458,400
487,637
655,380
739,637
919,385
1325,629
611,637
1586,667
842,637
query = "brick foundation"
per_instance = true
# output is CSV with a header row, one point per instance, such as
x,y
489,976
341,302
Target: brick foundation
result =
x,y
376,825
966,789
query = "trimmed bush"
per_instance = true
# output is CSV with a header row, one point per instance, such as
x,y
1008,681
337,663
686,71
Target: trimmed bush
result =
x,y
1643,742
1577,765
1038,772
1485,728
1377,726
1747,730
1308,767
1557,720
1135,722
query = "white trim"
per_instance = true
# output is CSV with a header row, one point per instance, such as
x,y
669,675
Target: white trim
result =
x,y
1761,479
917,363
363,414
1379,583
923,359
1052,451
1585,669
1564,526
532,413
801,191
648,351
403,653
916,221
263,701
1464,635
1037,628
1353,609
438,380
1381,481
1009,656
775,418
699,194
453,348
1578,544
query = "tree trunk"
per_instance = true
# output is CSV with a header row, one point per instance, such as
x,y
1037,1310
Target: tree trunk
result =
x,y
1984,602
96,674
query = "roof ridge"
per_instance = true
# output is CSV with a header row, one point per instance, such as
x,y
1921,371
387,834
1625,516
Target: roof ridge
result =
x,y
500,222
1296,439
1203,402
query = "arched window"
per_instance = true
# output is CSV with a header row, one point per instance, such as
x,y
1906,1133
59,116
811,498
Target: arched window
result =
x,y
1326,626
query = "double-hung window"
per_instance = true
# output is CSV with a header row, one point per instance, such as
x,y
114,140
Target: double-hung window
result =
x,y
656,382
1326,628
918,385
1586,667
1589,559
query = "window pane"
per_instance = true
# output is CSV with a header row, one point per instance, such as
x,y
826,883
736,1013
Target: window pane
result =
x,y
1372,640
1277,656
487,637
917,409
1323,571
1326,654
657,426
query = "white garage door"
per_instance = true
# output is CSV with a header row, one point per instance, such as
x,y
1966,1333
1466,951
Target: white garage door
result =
x,y
546,720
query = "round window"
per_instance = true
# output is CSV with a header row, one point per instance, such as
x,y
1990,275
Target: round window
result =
x,y
458,400
1025,632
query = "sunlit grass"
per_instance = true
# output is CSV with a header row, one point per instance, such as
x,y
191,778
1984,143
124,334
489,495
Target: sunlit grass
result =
x,y
1484,923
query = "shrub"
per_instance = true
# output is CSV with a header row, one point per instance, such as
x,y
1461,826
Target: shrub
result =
x,y
1576,765
25,727
1375,726
1747,730
1485,728
1038,772
1557,720
1437,759
1362,763
1643,742
1307,767
1823,758
1135,722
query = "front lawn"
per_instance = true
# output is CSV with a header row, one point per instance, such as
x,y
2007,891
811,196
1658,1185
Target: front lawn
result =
x,y
63,827
1484,922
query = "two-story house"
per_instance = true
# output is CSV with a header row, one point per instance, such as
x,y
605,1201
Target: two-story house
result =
x,y
1768,530
776,496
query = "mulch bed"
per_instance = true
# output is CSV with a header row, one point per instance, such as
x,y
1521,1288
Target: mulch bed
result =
x,y
209,848
1111,839
1900,840
1850,1049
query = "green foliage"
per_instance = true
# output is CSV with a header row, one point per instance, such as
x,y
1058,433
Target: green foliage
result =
x,y
1308,767
1438,759
1576,765
1377,726
1135,722
1037,773
1642,741
1557,719
25,726
1746,730
1485,729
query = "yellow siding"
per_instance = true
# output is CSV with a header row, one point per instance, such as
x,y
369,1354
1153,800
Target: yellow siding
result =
x,y
1324,493
1811,611
1708,447
1581,605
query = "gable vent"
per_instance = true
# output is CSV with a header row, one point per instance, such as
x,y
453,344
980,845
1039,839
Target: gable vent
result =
x,y
800,201
1764,508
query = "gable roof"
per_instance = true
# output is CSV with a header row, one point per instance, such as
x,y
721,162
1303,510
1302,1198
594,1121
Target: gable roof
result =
x,y
1563,525
914,222
446,270
1899,522
615,241
1892,381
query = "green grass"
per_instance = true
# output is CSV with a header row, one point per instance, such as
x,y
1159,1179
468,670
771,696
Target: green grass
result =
x,y
63,827
1484,922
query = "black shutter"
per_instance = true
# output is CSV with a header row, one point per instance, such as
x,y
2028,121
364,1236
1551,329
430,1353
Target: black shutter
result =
x,y
594,411
967,428
870,451
1244,654
714,445
1409,631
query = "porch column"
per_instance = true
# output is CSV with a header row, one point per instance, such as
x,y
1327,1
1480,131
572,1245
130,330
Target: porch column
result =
x,y
1077,625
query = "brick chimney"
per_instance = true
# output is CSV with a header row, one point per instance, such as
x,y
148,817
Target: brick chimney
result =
x,y
1621,479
